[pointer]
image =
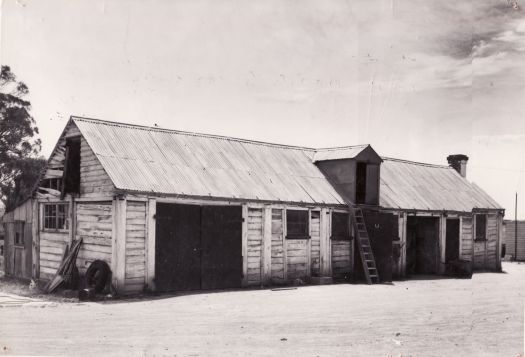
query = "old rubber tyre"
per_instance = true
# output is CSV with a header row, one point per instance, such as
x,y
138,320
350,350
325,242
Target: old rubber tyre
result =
x,y
97,275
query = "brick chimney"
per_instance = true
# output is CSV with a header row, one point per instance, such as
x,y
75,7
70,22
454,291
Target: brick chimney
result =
x,y
459,163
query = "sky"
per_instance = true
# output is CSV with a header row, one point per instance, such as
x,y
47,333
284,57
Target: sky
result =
x,y
416,79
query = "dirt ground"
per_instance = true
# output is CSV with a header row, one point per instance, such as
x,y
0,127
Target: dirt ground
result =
x,y
439,317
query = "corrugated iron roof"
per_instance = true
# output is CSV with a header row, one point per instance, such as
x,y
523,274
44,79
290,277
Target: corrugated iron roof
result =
x,y
146,159
345,152
164,161
418,186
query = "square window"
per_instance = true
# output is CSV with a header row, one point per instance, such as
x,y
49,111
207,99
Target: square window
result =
x,y
340,228
55,216
297,224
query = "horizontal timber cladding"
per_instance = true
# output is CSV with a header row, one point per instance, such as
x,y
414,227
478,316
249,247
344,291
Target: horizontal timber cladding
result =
x,y
315,243
510,239
278,273
94,181
485,251
341,257
466,238
135,246
52,248
94,225
255,235
297,252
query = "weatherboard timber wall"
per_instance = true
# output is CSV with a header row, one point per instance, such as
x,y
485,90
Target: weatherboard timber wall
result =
x,y
341,257
94,225
278,256
315,250
486,251
297,252
135,275
254,245
18,258
510,239
467,238
94,181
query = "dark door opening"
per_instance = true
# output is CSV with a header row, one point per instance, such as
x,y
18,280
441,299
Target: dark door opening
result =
x,y
177,247
382,229
422,249
198,247
452,240
360,183
221,239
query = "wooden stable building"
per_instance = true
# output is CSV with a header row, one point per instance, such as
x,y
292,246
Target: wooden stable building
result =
x,y
172,210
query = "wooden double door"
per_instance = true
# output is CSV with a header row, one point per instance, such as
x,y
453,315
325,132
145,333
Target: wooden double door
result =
x,y
198,247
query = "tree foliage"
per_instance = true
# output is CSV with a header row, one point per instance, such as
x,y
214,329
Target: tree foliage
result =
x,y
20,164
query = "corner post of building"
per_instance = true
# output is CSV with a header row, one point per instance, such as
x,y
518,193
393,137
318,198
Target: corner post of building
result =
x,y
267,245
150,243
500,242
118,251
324,243
244,245
442,242
35,244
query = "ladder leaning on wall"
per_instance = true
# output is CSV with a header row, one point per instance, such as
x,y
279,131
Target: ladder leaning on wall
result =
x,y
357,221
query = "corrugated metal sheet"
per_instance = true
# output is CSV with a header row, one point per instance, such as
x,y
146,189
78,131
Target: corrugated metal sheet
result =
x,y
411,185
172,162
164,161
347,152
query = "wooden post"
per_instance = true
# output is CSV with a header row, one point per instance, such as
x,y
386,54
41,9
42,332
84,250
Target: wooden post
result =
x,y
118,251
244,245
267,245
150,243
499,242
324,243
442,243
35,244
285,245
403,249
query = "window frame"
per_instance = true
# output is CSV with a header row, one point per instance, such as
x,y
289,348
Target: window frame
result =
x,y
338,236
55,217
482,237
19,238
306,231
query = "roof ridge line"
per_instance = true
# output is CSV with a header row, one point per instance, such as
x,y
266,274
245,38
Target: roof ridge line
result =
x,y
190,133
342,147
416,162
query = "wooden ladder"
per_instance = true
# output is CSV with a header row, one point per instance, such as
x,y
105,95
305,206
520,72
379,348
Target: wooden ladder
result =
x,y
363,244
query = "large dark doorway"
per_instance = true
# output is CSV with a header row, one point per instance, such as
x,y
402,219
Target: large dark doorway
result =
x,y
452,242
177,247
221,241
382,229
198,247
422,250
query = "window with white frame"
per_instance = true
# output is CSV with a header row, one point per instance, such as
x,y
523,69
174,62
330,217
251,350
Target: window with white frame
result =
x,y
55,216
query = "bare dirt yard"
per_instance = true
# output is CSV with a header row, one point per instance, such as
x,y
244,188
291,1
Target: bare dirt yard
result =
x,y
438,317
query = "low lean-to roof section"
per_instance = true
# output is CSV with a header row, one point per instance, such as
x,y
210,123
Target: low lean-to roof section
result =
x,y
160,161
424,187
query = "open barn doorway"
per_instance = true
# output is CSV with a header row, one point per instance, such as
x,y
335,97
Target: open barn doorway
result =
x,y
422,249
452,240
198,247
